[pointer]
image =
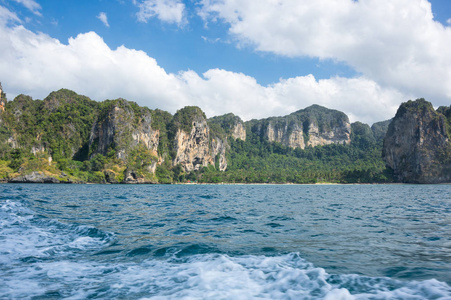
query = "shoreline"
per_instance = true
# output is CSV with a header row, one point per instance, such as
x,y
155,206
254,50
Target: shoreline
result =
x,y
223,183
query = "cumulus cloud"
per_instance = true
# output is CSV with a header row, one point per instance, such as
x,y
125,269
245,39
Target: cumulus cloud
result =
x,y
103,17
36,64
170,11
220,91
32,5
395,43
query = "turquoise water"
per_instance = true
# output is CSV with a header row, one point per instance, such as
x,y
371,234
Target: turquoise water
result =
x,y
225,241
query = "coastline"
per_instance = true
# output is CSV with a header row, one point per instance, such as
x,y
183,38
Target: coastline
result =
x,y
223,183
42,177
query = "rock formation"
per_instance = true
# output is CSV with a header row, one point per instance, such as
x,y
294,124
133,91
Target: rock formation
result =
x,y
122,126
229,125
313,126
2,99
417,145
40,177
118,141
239,131
287,133
194,146
191,148
218,151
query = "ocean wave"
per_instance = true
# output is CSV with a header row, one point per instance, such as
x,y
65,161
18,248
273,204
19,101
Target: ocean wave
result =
x,y
24,235
42,258
207,276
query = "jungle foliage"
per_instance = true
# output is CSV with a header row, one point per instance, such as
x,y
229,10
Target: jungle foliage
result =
x,y
258,161
52,135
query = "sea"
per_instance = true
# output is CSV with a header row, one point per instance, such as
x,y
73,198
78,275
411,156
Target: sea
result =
x,y
225,241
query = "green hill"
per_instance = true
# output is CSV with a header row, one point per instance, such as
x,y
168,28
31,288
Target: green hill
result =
x,y
72,138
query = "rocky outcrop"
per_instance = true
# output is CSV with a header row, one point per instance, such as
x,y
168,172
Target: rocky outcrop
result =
x,y
198,143
313,126
122,126
3,101
39,177
229,125
138,145
192,149
218,149
133,177
290,134
417,145
339,134
239,131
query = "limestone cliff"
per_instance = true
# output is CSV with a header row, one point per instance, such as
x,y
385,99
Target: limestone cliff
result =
x,y
339,134
117,141
3,101
313,126
417,145
122,126
191,138
123,129
218,152
222,128
239,131
230,125
198,143
283,131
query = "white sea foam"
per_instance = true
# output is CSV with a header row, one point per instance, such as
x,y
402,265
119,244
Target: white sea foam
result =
x,y
207,276
23,235
47,259
281,277
213,276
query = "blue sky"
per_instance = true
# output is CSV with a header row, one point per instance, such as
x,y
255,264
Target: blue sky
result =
x,y
255,58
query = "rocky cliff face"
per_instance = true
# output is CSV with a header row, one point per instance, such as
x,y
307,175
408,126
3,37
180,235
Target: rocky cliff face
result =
x,y
195,144
138,145
122,126
192,150
229,125
335,134
286,133
417,145
239,131
313,126
218,149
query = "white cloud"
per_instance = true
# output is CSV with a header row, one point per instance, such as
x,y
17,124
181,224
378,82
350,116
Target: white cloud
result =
x,y
210,40
36,64
170,11
7,16
103,17
448,21
32,5
219,92
395,43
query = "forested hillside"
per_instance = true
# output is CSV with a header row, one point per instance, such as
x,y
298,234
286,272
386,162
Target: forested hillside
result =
x,y
70,138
